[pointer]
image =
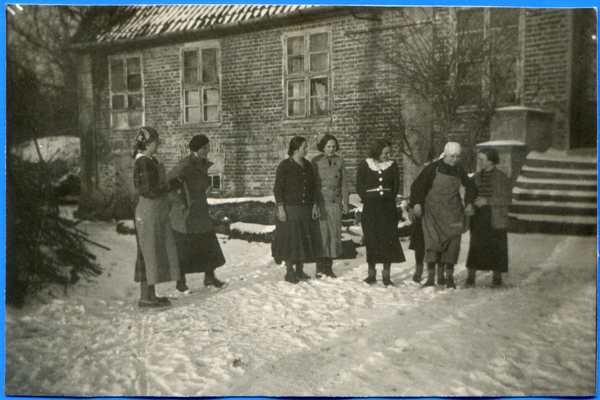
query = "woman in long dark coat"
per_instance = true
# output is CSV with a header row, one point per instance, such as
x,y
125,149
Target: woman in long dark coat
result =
x,y
157,259
377,184
488,249
331,191
197,244
296,237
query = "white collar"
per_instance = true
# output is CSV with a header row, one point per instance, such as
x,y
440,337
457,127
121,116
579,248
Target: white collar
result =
x,y
377,165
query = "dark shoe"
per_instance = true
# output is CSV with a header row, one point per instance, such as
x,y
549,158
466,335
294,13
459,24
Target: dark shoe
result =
x,y
182,288
418,275
214,282
429,282
469,284
163,301
154,303
450,282
496,283
291,277
300,272
329,271
441,278
372,278
386,278
320,269
430,276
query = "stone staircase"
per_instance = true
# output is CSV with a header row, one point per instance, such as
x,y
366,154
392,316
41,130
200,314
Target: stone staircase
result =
x,y
556,193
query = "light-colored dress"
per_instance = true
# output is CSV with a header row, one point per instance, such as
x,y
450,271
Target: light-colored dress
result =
x,y
331,192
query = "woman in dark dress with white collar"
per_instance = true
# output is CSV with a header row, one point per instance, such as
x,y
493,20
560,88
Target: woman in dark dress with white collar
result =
x,y
377,184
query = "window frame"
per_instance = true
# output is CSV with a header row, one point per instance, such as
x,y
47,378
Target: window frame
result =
x,y
485,29
126,93
199,86
307,77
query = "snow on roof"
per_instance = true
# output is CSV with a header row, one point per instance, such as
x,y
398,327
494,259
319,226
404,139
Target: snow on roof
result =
x,y
147,20
501,143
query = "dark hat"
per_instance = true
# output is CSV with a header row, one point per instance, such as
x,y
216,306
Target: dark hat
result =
x,y
198,142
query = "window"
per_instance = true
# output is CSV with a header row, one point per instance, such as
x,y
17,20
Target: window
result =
x,y
201,92
307,75
489,50
215,182
126,91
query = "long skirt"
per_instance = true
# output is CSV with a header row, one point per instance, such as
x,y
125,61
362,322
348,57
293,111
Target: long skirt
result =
x,y
296,239
379,221
488,249
330,224
157,248
198,252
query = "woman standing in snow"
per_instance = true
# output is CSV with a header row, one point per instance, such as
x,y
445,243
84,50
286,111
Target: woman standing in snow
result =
x,y
157,260
489,246
435,195
377,184
197,243
295,234
331,192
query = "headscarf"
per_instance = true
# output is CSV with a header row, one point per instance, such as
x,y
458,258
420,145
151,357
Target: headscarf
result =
x,y
451,148
144,136
198,142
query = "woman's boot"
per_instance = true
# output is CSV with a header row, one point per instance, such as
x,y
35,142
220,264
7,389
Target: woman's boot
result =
x,y
300,272
372,278
470,282
329,268
181,285
441,278
450,276
497,279
320,270
290,276
418,273
430,275
386,277
211,279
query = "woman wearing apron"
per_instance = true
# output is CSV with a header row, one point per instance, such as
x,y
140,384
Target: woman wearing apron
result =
x,y
436,198
157,260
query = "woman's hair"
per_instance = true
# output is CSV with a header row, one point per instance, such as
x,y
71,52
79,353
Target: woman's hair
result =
x,y
324,140
295,144
377,147
144,136
491,154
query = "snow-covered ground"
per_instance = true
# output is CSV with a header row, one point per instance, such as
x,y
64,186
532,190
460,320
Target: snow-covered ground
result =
x,y
261,336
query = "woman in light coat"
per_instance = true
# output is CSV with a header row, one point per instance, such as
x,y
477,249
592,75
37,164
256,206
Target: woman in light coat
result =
x,y
488,249
331,196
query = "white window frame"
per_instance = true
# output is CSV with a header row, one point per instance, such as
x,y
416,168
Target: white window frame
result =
x,y
201,87
306,76
126,93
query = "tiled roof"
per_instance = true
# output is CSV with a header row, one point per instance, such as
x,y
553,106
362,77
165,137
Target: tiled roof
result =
x,y
147,20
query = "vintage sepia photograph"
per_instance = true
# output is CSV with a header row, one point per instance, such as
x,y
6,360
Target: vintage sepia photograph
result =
x,y
300,200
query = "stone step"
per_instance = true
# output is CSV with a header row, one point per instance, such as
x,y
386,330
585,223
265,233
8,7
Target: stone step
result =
x,y
555,195
561,164
558,173
553,208
564,219
556,184
553,224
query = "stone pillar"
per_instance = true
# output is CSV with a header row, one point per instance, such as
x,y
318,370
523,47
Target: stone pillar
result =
x,y
526,125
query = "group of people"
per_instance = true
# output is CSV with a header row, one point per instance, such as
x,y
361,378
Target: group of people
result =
x,y
175,236
174,233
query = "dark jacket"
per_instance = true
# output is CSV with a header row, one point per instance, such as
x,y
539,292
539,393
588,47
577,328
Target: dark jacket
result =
x,y
377,184
294,183
189,206
501,197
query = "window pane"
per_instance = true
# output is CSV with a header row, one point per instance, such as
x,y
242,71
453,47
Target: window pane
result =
x,y
209,65
134,101
192,98
319,62
117,75
118,102
216,182
134,82
504,17
133,66
120,121
211,113
470,20
135,119
190,59
296,65
192,114
190,76
319,106
318,87
296,108
295,45
295,89
319,42
211,96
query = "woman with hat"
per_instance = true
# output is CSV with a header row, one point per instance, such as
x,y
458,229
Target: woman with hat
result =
x,y
157,259
331,192
436,199
377,184
197,244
